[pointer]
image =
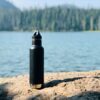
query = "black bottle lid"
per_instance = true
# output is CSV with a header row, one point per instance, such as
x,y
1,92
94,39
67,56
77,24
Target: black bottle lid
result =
x,y
36,39
37,35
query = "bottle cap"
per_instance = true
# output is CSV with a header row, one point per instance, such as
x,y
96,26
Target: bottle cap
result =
x,y
37,35
36,39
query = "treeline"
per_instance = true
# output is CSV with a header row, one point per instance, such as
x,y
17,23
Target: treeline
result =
x,y
60,18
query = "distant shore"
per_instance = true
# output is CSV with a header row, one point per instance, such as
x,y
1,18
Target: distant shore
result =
x,y
44,31
58,86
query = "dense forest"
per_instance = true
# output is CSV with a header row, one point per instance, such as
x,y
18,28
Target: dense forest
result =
x,y
60,18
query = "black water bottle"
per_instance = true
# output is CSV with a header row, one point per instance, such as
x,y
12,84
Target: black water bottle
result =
x,y
37,62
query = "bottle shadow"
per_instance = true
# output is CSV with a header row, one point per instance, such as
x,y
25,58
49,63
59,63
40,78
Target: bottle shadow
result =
x,y
56,82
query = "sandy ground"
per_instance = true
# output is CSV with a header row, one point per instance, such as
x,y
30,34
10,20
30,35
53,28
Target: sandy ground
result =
x,y
58,86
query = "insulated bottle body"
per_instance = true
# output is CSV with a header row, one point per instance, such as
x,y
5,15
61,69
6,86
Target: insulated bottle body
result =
x,y
36,65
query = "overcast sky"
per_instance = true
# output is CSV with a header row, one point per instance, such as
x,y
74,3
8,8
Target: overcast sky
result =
x,y
42,3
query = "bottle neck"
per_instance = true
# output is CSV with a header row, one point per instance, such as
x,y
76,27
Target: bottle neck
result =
x,y
37,42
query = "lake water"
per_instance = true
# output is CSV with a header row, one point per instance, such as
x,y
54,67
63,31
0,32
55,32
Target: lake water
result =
x,y
65,51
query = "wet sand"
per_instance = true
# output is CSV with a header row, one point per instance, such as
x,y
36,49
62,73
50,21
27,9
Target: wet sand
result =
x,y
58,86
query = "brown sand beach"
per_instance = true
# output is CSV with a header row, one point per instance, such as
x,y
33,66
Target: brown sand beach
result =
x,y
58,86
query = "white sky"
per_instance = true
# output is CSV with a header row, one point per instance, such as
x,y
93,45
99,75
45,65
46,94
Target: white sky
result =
x,y
42,3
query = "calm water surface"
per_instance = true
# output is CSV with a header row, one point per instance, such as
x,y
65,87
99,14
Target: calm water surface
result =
x,y
66,51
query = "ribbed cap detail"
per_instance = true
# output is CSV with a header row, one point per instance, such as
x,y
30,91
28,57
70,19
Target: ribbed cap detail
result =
x,y
37,35
36,39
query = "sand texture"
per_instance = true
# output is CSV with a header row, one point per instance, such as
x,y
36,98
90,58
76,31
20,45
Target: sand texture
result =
x,y
58,86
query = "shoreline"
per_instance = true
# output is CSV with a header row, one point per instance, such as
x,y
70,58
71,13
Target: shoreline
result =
x,y
61,85
51,72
